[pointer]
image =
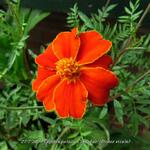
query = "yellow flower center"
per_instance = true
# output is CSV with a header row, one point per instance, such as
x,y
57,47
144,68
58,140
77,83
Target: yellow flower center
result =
x,y
68,68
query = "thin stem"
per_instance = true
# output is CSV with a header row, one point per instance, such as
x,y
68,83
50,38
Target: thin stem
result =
x,y
143,16
131,85
130,38
26,63
21,108
118,57
137,80
66,129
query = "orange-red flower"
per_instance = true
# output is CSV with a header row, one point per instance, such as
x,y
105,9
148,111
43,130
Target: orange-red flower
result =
x,y
72,69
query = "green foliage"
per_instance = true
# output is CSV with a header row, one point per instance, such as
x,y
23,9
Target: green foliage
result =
x,y
24,123
15,25
118,111
73,16
132,15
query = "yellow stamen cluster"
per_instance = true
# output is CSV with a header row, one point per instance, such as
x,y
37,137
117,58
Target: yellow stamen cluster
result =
x,y
68,68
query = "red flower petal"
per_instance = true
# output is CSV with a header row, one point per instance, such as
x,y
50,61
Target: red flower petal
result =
x,y
74,31
42,74
98,81
66,44
70,99
47,59
104,62
46,88
92,47
48,102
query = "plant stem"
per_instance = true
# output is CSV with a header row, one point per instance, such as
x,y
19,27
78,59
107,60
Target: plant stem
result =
x,y
131,85
137,80
66,129
130,38
21,108
143,16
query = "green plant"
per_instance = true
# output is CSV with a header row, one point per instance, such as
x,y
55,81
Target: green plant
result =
x,y
15,25
26,125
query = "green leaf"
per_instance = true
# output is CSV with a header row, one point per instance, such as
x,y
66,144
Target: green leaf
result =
x,y
118,111
75,141
34,18
3,145
134,123
73,135
111,7
13,144
144,110
11,120
85,19
73,17
36,134
2,114
25,118
84,147
103,112
86,133
48,119
143,120
131,5
143,101
12,59
127,11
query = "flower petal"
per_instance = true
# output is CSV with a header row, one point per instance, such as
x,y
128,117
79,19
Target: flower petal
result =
x,y
49,103
66,44
98,81
70,99
92,47
47,59
104,62
47,87
42,74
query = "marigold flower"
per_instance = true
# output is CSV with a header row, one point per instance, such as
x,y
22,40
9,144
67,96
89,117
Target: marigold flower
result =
x,y
72,69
